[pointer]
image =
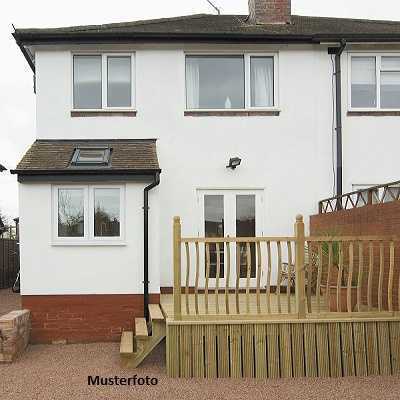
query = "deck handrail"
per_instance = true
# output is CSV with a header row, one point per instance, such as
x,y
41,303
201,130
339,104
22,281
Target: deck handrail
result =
x,y
356,198
357,272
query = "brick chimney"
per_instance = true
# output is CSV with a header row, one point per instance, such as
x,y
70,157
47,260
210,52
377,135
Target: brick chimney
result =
x,y
269,11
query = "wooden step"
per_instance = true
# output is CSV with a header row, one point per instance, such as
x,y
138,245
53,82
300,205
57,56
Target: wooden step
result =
x,y
126,346
155,312
141,331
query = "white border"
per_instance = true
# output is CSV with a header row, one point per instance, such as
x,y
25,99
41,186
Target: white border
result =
x,y
246,56
88,239
104,81
378,57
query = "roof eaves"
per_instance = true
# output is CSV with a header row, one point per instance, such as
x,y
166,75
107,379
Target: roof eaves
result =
x,y
98,171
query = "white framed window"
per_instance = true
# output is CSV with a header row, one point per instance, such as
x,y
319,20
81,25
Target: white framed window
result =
x,y
231,81
103,81
88,214
374,81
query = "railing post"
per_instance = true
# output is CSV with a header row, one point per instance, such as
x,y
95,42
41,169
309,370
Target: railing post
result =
x,y
320,207
370,197
300,278
177,268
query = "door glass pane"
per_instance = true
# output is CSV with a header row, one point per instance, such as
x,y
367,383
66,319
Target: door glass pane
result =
x,y
246,227
70,213
106,212
214,227
363,82
119,86
214,82
87,82
262,81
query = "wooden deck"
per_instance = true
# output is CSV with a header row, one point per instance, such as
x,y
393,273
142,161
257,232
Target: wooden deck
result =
x,y
167,305
253,326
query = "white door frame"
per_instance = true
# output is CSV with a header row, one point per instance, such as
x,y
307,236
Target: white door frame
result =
x,y
230,224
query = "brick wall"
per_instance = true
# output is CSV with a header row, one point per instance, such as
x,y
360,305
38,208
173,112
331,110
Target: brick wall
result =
x,y
269,11
83,318
375,220
14,334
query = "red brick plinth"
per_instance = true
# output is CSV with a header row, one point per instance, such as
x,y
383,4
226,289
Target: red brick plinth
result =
x,y
83,318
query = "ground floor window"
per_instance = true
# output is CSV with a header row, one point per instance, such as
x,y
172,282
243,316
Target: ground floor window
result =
x,y
88,213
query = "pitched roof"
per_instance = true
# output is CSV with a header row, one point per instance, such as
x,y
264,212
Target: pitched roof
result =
x,y
54,157
228,27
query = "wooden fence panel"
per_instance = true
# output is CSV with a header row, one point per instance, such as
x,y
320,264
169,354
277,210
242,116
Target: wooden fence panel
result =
x,y
9,262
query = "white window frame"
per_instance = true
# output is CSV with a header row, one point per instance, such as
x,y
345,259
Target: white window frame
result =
x,y
88,239
378,68
104,81
247,81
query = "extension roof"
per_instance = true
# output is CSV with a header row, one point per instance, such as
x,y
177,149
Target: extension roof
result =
x,y
53,157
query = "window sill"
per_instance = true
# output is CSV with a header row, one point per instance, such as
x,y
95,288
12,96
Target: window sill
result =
x,y
375,113
232,113
89,243
104,113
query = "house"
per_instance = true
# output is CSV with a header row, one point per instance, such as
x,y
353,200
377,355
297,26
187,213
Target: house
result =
x,y
236,123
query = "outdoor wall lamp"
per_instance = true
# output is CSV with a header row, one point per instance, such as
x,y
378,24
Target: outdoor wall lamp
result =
x,y
234,162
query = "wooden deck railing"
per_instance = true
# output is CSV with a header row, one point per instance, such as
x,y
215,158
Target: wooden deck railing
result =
x,y
284,277
374,195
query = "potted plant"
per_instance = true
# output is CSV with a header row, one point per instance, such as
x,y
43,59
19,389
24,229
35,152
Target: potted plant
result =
x,y
337,291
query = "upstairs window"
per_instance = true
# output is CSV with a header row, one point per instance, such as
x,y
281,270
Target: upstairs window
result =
x,y
103,82
230,81
375,82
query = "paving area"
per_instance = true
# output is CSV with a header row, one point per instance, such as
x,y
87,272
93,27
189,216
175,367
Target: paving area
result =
x,y
9,301
61,372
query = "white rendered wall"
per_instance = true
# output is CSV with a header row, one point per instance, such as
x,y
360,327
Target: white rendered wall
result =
x,y
370,143
288,156
48,269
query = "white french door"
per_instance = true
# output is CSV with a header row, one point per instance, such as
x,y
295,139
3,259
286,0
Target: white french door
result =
x,y
235,213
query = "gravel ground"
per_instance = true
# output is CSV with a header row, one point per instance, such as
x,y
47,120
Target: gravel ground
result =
x,y
61,372
9,301
50,372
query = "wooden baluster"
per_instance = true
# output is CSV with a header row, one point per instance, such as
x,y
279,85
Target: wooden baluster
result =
x,y
309,275
328,276
391,272
207,276
258,277
177,243
217,278
248,276
360,274
228,276
268,287
381,270
339,279
300,281
319,277
187,277
350,276
196,285
237,277
289,276
278,286
370,275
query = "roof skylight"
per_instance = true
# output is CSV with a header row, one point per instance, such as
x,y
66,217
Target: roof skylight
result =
x,y
90,156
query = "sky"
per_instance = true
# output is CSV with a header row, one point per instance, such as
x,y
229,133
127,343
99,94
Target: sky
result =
x,y
17,100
